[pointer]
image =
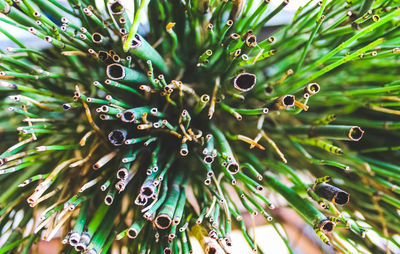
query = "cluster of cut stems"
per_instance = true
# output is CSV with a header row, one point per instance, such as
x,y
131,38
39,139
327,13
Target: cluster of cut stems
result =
x,y
146,136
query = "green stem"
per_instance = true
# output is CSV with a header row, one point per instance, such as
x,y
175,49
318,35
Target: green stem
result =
x,y
319,21
135,25
340,132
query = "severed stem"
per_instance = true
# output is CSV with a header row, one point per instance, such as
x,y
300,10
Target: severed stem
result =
x,y
214,98
273,144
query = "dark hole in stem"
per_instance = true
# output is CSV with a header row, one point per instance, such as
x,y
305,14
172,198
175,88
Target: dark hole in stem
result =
x,y
132,233
288,100
313,88
328,226
73,241
184,152
121,174
163,221
147,191
342,198
80,247
66,106
142,200
244,82
251,39
137,42
117,8
115,71
205,98
356,133
108,200
233,168
235,36
97,37
208,159
167,251
117,137
103,55
120,186
268,90
128,116
211,250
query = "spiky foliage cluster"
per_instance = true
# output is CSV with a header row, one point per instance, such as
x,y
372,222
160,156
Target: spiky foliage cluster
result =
x,y
120,123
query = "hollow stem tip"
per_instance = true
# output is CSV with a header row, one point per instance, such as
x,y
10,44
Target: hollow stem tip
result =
x,y
244,82
232,167
163,221
119,72
148,188
211,249
355,133
97,37
283,102
74,238
136,227
326,226
332,193
312,88
340,132
128,116
143,50
117,137
116,8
